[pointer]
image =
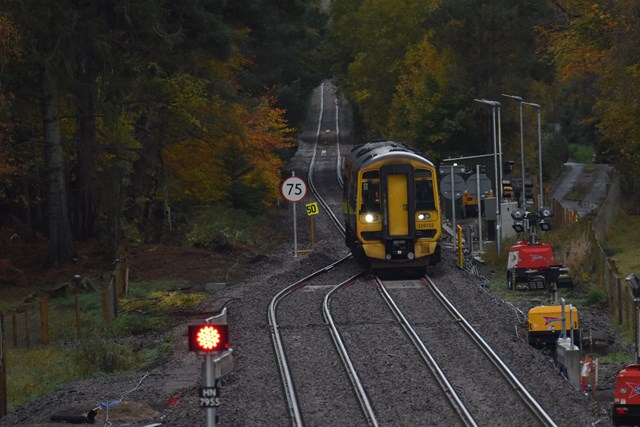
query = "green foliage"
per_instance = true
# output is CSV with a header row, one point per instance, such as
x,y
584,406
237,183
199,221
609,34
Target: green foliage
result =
x,y
131,233
621,242
148,309
555,152
34,372
617,358
98,356
418,81
596,296
593,50
137,324
223,228
581,153
193,76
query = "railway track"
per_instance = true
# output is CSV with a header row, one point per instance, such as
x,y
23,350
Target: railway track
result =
x,y
302,298
367,361
306,293
477,372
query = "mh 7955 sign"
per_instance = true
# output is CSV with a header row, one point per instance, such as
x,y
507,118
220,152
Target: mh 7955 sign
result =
x,y
294,189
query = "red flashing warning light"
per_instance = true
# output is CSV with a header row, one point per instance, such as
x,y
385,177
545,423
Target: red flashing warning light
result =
x,y
208,337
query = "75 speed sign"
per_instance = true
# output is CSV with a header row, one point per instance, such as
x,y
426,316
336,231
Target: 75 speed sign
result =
x,y
294,189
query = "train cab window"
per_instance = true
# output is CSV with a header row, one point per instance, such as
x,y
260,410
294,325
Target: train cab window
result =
x,y
424,190
370,196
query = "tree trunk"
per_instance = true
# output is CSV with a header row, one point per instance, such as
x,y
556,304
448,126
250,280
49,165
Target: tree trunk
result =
x,y
61,244
86,224
146,176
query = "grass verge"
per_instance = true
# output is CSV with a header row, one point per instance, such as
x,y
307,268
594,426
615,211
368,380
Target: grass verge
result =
x,y
104,348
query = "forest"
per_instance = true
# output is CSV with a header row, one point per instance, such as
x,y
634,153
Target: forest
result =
x,y
128,120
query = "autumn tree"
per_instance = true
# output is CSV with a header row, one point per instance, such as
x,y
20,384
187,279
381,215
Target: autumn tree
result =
x,y
124,86
596,49
373,38
413,69
425,98
44,27
9,50
231,155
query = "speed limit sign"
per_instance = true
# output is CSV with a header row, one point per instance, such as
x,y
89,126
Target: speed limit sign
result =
x,y
294,189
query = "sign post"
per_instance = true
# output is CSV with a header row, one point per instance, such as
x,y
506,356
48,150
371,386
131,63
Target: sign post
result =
x,y
452,186
211,339
479,186
312,209
294,189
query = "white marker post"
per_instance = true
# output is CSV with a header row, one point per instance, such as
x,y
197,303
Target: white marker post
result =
x,y
294,189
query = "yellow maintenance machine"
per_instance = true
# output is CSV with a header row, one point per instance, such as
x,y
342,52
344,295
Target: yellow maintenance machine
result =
x,y
545,325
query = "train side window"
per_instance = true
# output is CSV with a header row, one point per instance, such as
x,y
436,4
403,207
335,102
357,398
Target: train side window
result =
x,y
424,195
370,196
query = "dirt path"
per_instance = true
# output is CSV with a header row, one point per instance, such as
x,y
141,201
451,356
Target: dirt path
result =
x,y
582,187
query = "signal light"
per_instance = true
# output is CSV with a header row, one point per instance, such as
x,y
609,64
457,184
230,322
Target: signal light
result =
x,y
208,337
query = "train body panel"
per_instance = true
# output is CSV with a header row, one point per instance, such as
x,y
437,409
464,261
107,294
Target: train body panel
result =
x,y
391,205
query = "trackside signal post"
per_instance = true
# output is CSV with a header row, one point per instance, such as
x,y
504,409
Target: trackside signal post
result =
x,y
294,189
211,340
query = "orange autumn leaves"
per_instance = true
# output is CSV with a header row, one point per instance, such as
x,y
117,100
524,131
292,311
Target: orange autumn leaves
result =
x,y
233,143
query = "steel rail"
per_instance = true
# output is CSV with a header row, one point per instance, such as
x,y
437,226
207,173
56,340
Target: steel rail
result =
x,y
358,388
281,356
336,221
456,403
339,160
285,372
534,407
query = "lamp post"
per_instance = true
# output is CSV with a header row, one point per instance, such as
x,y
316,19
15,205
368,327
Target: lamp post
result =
x,y
522,196
540,194
495,105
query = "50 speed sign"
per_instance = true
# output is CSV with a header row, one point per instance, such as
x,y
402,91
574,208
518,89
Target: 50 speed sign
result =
x,y
294,189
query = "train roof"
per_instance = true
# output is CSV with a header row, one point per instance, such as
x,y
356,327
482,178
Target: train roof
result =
x,y
374,151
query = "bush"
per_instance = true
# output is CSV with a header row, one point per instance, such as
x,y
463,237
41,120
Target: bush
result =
x,y
96,356
137,324
596,296
222,228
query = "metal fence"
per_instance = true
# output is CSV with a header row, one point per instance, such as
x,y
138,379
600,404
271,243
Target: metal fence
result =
x,y
39,322
610,280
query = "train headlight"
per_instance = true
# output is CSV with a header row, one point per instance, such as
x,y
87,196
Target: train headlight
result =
x,y
370,218
422,216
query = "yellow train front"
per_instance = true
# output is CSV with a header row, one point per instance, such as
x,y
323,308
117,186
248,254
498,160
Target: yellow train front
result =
x,y
391,206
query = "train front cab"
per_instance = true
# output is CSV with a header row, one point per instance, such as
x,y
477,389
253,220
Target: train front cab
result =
x,y
397,218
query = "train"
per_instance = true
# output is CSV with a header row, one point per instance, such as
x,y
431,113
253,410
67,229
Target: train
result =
x,y
391,206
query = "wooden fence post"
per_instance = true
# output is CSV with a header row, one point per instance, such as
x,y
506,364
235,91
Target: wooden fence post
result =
x,y
3,370
106,305
27,328
79,332
620,307
44,321
603,260
14,328
612,289
122,272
